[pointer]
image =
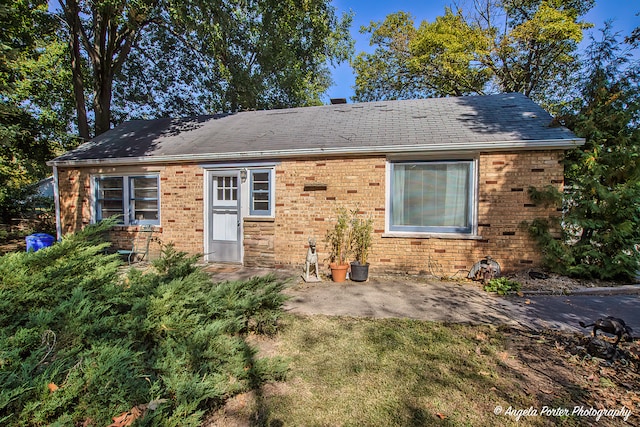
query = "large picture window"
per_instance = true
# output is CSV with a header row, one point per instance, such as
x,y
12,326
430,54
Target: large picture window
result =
x,y
436,197
134,198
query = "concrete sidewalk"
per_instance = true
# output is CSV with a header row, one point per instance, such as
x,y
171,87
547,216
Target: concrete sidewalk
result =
x,y
434,300
437,301
387,296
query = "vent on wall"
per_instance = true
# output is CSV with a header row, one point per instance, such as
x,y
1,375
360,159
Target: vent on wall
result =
x,y
315,187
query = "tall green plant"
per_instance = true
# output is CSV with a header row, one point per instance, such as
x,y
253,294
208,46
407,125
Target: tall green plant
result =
x,y
339,237
35,100
600,228
361,236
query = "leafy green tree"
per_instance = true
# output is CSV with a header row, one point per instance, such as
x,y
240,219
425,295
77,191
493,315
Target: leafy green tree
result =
x,y
600,229
386,73
35,102
448,53
534,44
250,54
101,35
160,81
527,46
274,53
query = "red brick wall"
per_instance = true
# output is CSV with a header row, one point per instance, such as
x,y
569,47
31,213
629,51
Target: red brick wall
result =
x,y
308,192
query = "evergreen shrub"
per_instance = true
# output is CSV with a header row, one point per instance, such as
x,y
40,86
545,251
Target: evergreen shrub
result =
x,y
82,340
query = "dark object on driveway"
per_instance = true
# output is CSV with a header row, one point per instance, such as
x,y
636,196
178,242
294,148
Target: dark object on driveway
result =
x,y
602,349
611,325
538,275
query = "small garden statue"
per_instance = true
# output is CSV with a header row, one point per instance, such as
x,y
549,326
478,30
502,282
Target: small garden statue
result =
x,y
312,260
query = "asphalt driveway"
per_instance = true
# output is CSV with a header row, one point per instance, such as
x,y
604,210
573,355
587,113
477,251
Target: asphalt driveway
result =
x,y
564,312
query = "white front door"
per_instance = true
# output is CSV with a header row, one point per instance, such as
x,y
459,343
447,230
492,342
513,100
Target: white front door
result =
x,y
224,230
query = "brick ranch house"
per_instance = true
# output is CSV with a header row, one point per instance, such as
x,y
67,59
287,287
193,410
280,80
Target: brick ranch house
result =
x,y
445,181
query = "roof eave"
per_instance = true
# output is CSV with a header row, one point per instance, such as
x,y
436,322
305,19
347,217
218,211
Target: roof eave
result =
x,y
546,144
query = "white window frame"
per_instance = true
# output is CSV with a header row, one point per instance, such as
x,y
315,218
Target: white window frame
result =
x,y
438,231
271,192
127,198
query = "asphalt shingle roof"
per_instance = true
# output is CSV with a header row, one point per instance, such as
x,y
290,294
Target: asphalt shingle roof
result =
x,y
474,122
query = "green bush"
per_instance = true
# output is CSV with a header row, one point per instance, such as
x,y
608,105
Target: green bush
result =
x,y
502,286
111,340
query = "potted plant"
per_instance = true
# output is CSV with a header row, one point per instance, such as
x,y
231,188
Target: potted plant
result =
x,y
339,240
361,238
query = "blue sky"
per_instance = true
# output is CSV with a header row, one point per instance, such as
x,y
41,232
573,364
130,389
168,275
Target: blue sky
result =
x,y
622,12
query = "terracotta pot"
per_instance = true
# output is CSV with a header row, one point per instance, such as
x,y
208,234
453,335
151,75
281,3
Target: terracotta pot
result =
x,y
339,272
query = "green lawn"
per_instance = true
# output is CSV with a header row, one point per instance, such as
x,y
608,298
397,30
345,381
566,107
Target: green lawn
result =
x,y
390,372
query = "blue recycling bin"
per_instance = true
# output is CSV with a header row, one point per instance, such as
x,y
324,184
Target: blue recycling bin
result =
x,y
38,241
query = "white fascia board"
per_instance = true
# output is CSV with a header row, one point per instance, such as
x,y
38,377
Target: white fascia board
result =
x,y
546,144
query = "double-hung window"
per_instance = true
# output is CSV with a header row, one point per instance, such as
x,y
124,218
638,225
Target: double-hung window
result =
x,y
261,194
134,198
432,196
109,197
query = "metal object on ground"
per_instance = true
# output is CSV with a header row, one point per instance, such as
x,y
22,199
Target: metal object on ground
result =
x,y
485,270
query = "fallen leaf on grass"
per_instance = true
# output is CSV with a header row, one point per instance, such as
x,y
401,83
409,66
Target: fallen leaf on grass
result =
x,y
127,418
139,411
559,346
52,387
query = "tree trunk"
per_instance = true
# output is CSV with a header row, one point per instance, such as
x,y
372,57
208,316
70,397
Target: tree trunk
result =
x,y
107,42
78,90
76,71
102,103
